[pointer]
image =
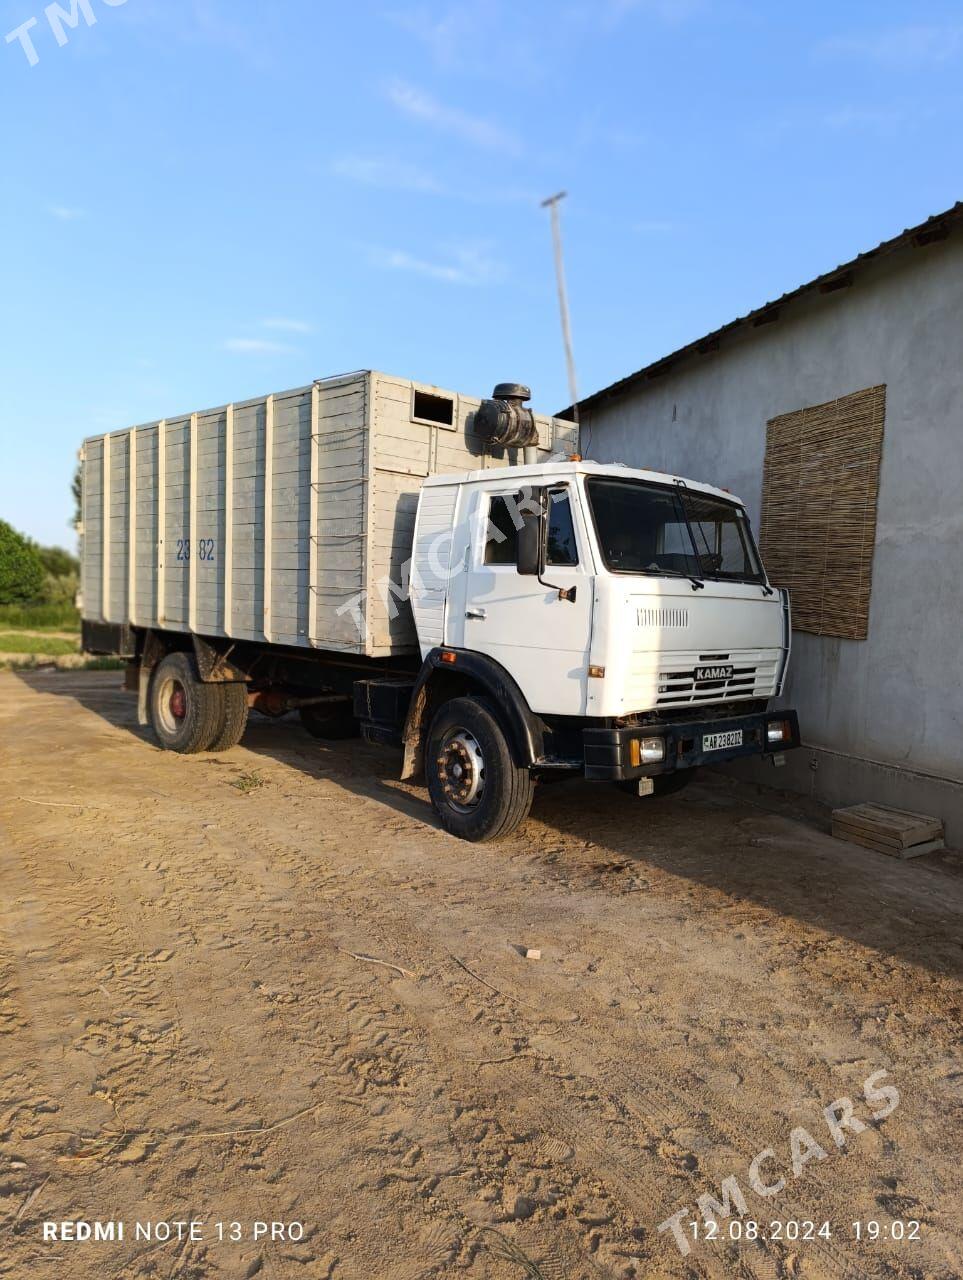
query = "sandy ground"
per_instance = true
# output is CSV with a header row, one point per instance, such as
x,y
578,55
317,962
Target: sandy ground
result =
x,y
186,1036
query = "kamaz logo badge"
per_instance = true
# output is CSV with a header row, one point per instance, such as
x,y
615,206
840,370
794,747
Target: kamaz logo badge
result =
x,y
714,673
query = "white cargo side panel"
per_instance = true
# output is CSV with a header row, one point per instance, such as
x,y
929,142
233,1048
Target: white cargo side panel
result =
x,y
432,552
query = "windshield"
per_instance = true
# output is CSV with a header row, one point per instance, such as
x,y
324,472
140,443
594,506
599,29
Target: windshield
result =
x,y
645,528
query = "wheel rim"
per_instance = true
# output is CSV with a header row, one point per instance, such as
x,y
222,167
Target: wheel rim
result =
x,y
461,771
171,705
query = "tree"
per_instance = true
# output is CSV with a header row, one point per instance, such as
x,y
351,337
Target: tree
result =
x,y
77,490
21,569
58,562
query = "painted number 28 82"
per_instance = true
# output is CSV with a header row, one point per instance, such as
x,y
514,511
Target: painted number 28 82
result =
x,y
206,548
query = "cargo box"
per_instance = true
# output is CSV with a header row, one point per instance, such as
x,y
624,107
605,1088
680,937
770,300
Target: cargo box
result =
x,y
262,520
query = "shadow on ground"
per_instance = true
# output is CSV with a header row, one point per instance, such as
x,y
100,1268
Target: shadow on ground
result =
x,y
751,844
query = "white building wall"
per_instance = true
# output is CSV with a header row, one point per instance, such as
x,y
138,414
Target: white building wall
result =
x,y
884,715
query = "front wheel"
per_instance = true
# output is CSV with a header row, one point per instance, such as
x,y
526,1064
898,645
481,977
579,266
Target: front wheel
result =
x,y
477,789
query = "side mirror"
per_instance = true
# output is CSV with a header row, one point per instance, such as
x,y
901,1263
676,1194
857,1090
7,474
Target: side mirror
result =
x,y
530,545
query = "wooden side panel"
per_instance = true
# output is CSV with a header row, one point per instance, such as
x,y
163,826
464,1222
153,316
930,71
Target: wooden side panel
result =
x,y
290,477
177,522
117,537
146,533
340,510
207,546
93,520
247,503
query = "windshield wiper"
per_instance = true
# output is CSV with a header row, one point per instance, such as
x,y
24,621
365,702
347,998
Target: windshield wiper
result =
x,y
683,489
697,583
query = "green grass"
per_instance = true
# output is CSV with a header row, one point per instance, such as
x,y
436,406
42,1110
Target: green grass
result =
x,y
39,617
14,642
248,782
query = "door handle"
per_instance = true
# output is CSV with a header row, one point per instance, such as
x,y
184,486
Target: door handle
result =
x,y
480,614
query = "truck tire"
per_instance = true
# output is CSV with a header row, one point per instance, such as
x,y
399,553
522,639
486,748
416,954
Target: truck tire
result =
x,y
184,712
232,717
330,721
477,789
666,784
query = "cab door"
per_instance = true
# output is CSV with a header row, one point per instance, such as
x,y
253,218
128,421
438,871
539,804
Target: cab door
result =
x,y
520,622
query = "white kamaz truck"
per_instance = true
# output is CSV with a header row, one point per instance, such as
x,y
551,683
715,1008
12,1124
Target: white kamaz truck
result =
x,y
438,573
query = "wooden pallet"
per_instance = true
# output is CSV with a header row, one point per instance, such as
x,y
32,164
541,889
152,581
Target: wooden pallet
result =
x,y
893,831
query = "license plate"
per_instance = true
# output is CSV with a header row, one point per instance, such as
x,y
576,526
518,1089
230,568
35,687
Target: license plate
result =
x,y
718,741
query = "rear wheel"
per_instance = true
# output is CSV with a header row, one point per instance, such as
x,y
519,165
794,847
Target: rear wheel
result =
x,y
477,789
184,712
232,719
330,721
666,784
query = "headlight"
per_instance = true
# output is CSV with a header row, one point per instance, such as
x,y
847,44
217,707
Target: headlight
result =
x,y
778,731
646,751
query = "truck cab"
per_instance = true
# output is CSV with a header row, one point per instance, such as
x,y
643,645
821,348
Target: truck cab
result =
x,y
617,623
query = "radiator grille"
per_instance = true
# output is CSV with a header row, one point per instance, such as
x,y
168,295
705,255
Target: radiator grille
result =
x,y
678,687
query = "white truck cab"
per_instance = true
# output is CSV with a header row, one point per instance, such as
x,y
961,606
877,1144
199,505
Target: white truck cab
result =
x,y
626,613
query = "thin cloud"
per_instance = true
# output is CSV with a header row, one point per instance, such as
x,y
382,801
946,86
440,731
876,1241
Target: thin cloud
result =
x,y
864,118
255,347
654,226
463,265
284,324
396,175
910,46
452,37
65,213
390,175
421,106
612,12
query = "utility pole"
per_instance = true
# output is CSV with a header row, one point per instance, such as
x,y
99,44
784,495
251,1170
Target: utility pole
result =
x,y
552,204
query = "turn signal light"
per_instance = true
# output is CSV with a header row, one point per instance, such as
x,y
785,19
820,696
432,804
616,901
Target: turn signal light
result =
x,y
448,656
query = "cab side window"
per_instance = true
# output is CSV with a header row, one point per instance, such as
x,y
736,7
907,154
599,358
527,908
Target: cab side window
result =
x,y
561,549
504,521
501,543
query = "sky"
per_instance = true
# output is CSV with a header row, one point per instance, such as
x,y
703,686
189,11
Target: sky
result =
x,y
207,200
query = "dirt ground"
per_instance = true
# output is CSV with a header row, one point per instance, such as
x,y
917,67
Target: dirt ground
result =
x,y
187,1036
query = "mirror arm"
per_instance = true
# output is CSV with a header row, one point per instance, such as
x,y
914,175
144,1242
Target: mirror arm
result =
x,y
564,593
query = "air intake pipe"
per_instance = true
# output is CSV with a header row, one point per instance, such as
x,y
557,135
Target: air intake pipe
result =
x,y
505,421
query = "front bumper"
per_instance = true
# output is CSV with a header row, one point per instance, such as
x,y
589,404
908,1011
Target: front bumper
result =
x,y
607,751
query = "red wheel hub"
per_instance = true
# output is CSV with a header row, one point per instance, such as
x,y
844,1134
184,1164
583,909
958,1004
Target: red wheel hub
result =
x,y
178,704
